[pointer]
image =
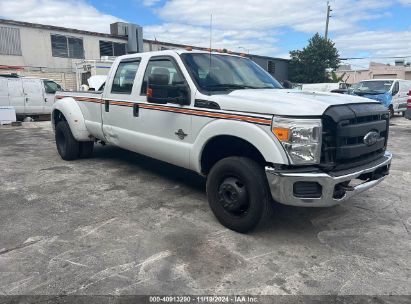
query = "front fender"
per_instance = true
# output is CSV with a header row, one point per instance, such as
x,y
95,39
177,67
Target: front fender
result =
x,y
259,136
72,112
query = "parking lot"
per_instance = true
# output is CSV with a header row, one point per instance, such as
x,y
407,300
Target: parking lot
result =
x,y
122,223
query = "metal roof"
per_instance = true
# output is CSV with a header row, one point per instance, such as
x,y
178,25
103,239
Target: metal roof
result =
x,y
58,28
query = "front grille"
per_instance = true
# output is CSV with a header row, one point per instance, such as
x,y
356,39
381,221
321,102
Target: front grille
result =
x,y
344,129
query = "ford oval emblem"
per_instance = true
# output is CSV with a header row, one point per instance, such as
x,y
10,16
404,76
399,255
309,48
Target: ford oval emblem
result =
x,y
371,138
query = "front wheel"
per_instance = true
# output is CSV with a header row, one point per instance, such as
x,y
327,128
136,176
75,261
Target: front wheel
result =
x,y
238,194
391,109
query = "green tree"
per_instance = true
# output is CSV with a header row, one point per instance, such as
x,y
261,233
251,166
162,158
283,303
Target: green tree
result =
x,y
310,64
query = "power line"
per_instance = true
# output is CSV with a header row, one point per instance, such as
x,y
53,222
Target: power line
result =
x,y
379,57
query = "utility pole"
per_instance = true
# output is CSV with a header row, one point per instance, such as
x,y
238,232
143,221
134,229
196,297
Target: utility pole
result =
x,y
329,10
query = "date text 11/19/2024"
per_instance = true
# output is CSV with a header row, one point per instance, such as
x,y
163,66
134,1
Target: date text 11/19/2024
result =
x,y
203,299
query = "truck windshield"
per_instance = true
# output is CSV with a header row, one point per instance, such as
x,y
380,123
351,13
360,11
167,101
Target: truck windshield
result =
x,y
222,73
372,87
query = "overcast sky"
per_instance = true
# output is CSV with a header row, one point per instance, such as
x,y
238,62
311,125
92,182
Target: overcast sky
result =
x,y
360,28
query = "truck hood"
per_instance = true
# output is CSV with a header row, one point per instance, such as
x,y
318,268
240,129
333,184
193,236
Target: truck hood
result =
x,y
284,102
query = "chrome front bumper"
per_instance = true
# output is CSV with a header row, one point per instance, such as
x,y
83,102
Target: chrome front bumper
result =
x,y
282,183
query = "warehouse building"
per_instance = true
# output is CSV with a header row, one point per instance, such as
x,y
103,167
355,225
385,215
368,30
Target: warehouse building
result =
x,y
70,56
400,70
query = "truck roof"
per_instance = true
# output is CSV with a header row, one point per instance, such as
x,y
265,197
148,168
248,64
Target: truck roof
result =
x,y
179,52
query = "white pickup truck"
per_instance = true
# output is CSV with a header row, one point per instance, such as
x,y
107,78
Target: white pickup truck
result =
x,y
225,118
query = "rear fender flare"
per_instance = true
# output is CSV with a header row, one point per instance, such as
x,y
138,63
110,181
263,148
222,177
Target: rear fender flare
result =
x,y
74,117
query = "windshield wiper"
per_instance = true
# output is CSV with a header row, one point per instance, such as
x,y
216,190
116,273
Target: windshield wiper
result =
x,y
367,92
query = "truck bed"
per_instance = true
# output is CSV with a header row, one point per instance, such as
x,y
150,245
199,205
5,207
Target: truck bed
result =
x,y
80,93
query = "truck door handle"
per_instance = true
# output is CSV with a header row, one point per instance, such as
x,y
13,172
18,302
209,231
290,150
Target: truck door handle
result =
x,y
27,99
136,109
107,105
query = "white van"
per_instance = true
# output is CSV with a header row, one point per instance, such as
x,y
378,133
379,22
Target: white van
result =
x,y
374,88
28,95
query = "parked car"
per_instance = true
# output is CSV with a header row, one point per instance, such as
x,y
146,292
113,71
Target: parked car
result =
x,y
392,93
30,96
408,111
230,121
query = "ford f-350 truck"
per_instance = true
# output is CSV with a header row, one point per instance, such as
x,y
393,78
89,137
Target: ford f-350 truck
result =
x,y
227,119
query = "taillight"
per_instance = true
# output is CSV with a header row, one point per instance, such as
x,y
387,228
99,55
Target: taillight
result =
x,y
409,100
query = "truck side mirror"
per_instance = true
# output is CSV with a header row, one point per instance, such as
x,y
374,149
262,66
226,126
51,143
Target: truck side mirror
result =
x,y
160,91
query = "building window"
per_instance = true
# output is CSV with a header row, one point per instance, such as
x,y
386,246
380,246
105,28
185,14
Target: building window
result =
x,y
67,47
271,67
10,43
109,48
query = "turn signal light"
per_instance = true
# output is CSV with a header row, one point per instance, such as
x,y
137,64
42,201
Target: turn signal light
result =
x,y
283,134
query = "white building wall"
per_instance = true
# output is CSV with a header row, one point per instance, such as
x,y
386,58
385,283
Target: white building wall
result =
x,y
37,52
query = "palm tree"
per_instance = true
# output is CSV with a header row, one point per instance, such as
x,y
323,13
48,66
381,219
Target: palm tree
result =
x,y
335,78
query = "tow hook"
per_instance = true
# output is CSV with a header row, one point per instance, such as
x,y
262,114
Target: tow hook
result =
x,y
347,188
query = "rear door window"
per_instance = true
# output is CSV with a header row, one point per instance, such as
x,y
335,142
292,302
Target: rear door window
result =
x,y
125,75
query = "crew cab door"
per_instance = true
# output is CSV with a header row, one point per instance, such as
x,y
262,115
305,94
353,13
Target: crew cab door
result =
x,y
33,96
167,127
118,101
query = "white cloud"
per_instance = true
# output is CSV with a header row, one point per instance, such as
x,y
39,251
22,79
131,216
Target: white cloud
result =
x,y
376,44
301,15
259,26
150,2
70,13
235,40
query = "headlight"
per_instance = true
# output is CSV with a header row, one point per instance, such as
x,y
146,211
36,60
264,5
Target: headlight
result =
x,y
301,139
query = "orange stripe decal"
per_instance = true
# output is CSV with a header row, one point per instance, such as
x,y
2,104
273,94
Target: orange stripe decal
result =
x,y
211,114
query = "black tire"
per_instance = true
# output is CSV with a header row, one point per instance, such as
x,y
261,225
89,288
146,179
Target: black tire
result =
x,y
67,146
238,194
86,149
391,109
